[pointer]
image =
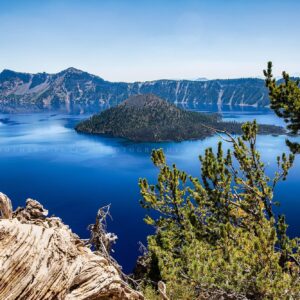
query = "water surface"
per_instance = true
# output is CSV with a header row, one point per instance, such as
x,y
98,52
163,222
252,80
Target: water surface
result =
x,y
72,175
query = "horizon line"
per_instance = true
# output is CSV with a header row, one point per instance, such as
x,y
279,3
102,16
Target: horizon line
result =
x,y
200,78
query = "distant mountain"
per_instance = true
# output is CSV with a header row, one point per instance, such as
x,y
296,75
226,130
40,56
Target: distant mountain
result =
x,y
77,91
148,118
201,79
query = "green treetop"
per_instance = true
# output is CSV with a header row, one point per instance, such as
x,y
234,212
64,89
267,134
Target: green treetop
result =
x,y
285,101
218,235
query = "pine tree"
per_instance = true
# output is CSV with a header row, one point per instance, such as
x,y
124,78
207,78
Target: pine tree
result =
x,y
218,234
285,101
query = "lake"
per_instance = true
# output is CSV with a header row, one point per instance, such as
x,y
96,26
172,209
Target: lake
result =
x,y
72,175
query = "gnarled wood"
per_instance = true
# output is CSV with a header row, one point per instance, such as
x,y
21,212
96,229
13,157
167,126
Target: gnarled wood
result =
x,y
5,207
40,258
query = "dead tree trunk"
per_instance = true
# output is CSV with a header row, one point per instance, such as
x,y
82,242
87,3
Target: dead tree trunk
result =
x,y
41,258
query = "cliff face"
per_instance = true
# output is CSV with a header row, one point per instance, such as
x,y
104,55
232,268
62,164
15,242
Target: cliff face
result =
x,y
73,90
40,258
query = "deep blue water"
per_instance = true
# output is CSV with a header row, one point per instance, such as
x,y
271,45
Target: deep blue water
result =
x,y
72,175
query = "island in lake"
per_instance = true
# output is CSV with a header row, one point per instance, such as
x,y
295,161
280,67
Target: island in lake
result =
x,y
148,118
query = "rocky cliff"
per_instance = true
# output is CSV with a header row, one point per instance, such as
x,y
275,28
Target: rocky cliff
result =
x,y
73,90
41,258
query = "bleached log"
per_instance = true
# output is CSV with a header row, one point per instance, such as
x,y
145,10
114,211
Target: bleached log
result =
x,y
41,258
5,207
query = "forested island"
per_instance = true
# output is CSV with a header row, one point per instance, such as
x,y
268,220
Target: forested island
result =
x,y
148,118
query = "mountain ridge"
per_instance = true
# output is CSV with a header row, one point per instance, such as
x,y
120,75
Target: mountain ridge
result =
x,y
74,90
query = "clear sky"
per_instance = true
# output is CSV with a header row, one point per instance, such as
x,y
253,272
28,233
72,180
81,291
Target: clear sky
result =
x,y
128,40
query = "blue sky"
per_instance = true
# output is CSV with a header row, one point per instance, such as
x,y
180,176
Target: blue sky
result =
x,y
127,40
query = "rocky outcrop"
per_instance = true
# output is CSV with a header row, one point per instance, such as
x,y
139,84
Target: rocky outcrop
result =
x,y
41,258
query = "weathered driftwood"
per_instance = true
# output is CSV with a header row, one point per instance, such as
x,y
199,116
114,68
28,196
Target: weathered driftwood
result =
x,y
5,207
40,258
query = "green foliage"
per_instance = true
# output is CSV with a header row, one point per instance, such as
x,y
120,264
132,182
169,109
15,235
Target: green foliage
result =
x,y
219,234
285,101
176,291
150,293
149,118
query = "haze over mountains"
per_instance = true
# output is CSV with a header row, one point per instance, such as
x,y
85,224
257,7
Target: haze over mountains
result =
x,y
73,90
